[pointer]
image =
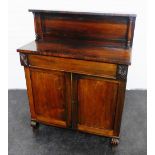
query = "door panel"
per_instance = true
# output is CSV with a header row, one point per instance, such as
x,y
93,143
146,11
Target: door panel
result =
x,y
50,94
96,107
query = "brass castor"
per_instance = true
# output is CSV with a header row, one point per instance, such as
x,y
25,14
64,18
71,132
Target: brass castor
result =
x,y
34,124
114,141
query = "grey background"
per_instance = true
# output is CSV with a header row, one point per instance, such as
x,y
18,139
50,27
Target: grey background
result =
x,y
48,140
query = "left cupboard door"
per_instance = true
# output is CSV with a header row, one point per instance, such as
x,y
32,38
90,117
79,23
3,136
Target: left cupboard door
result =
x,y
49,96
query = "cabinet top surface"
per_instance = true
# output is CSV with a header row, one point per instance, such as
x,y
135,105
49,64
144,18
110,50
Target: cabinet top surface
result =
x,y
79,50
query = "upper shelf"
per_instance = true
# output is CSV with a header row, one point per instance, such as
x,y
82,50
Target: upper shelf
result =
x,y
82,13
109,30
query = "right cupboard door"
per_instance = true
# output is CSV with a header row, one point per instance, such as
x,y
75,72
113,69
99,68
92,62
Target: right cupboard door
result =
x,y
95,105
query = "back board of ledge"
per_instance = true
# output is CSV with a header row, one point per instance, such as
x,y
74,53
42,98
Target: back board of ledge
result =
x,y
113,30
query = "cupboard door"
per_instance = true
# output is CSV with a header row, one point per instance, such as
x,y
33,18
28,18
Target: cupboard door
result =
x,y
51,96
96,104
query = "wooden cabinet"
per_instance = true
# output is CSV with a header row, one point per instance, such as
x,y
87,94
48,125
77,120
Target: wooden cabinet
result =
x,y
76,75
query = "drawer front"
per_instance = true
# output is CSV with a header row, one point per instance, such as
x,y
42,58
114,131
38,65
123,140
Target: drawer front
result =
x,y
74,66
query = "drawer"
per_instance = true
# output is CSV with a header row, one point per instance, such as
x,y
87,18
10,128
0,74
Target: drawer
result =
x,y
73,65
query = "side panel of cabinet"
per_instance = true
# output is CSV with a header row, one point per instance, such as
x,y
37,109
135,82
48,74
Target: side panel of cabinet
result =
x,y
49,96
96,105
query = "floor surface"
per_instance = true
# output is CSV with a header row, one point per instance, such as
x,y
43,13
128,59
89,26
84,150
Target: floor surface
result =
x,y
49,140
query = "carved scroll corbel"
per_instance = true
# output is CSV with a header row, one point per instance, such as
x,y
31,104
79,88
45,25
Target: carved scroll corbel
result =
x,y
122,71
24,60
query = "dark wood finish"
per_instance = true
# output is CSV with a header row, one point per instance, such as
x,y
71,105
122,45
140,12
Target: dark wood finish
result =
x,y
119,108
103,29
30,92
50,96
98,104
80,50
96,110
76,70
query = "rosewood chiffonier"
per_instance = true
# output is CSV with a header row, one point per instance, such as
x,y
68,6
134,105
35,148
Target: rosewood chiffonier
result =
x,y
76,70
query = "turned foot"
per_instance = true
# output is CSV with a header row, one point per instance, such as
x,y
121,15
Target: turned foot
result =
x,y
114,141
34,124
